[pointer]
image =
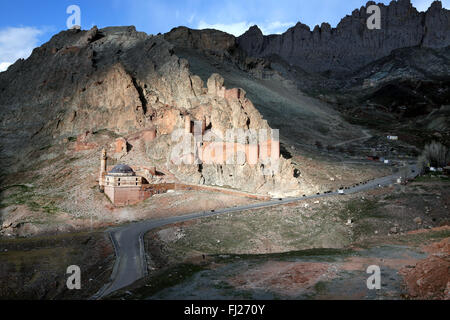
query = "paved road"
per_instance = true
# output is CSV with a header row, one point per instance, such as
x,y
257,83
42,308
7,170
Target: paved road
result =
x,y
130,264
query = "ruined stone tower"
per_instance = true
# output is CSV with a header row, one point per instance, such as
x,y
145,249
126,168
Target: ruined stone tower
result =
x,y
187,124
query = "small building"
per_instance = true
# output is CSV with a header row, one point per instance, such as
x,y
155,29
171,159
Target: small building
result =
x,y
122,186
392,137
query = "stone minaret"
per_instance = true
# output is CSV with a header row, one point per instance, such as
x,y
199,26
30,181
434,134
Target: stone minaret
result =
x,y
101,179
187,124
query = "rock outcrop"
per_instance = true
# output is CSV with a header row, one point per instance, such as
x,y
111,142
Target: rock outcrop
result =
x,y
208,39
351,45
122,81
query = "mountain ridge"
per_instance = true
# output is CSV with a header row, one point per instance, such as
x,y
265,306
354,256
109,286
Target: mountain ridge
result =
x,y
351,44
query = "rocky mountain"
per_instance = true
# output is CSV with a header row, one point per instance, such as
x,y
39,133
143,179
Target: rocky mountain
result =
x,y
387,79
276,89
351,45
123,81
303,82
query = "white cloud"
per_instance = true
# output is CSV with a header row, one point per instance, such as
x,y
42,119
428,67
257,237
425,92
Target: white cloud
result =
x,y
16,43
239,28
235,29
276,27
4,66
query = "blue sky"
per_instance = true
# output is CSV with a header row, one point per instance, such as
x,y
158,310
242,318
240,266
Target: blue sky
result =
x,y
26,24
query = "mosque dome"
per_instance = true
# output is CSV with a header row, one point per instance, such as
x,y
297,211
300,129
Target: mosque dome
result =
x,y
122,169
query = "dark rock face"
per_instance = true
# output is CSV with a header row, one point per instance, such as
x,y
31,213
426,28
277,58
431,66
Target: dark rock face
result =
x,y
208,39
79,81
351,45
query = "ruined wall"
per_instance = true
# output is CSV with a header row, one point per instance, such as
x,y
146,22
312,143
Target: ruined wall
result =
x,y
220,152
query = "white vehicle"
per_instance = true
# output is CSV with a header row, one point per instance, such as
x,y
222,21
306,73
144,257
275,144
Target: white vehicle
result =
x,y
341,191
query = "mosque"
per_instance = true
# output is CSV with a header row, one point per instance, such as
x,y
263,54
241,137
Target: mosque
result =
x,y
122,185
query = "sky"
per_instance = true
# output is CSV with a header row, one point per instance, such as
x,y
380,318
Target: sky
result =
x,y
26,24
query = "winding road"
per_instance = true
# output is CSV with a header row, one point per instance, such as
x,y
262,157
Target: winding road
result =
x,y
131,265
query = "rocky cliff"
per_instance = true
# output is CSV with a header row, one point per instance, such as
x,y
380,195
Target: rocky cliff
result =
x,y
122,81
351,45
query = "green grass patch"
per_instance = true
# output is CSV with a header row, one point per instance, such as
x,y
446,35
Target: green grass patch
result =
x,y
317,253
25,195
359,209
432,177
420,238
50,208
22,187
410,240
107,132
320,287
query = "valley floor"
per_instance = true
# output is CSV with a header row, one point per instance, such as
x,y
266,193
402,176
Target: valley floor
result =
x,y
313,249
309,250
35,268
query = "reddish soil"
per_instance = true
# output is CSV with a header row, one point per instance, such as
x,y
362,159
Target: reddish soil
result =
x,y
286,278
428,230
430,277
361,263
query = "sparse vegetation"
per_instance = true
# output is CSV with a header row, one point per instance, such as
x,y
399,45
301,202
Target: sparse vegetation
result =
x,y
106,132
160,280
35,268
431,177
434,154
